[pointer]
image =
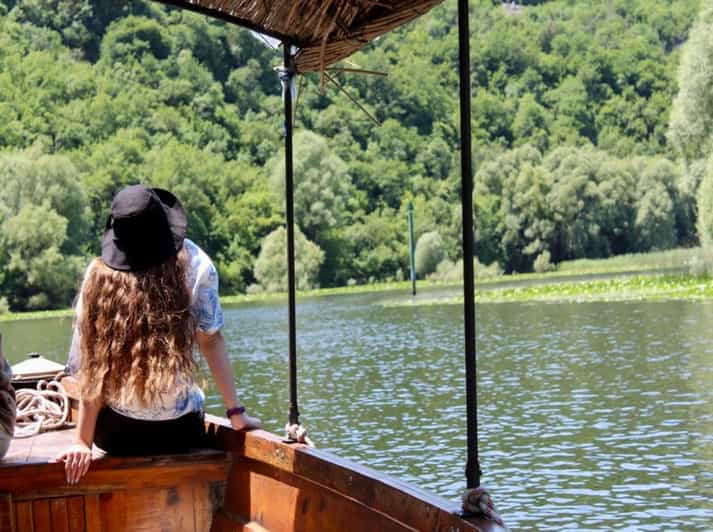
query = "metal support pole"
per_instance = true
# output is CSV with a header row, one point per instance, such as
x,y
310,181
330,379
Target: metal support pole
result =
x,y
287,73
411,248
472,468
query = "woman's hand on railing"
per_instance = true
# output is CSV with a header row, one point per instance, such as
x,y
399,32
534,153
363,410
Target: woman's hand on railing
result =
x,y
244,422
76,461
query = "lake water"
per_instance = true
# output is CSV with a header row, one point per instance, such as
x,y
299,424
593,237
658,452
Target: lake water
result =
x,y
593,416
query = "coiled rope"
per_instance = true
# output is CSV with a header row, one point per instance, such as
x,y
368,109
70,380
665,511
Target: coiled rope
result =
x,y
41,410
477,501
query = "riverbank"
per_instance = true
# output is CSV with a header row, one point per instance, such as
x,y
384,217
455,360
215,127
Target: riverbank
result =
x,y
244,298
654,287
528,287
664,275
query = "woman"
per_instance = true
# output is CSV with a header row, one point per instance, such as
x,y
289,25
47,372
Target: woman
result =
x,y
143,305
7,404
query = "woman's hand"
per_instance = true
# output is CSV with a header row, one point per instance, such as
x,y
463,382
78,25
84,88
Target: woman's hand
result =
x,y
244,422
76,461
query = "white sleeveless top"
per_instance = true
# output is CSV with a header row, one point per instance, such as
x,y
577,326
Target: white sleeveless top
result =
x,y
202,280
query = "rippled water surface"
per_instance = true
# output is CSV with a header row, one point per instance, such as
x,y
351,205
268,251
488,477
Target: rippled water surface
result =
x,y
592,416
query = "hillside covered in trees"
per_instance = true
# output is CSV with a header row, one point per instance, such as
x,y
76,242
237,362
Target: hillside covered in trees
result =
x,y
577,151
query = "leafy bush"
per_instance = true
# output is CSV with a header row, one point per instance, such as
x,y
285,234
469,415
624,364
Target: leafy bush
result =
x,y
271,264
448,272
254,289
452,272
429,253
542,263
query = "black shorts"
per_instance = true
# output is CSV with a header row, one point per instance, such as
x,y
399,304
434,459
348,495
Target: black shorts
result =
x,y
120,435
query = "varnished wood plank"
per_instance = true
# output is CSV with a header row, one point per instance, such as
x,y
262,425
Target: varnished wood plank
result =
x,y
18,452
202,507
149,509
92,513
75,513
112,511
41,515
278,500
237,492
409,505
179,503
58,514
40,448
23,517
7,519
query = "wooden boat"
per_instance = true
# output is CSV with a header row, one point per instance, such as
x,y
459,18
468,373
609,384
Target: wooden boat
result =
x,y
245,481
258,481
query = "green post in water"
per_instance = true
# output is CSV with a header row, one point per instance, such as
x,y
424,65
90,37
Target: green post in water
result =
x,y
412,248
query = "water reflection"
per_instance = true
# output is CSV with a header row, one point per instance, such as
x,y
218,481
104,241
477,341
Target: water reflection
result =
x,y
595,416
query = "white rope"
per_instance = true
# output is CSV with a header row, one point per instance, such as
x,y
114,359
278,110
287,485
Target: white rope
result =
x,y
298,433
40,410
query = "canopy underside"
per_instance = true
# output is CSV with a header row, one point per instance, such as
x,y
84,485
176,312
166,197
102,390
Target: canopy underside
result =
x,y
324,31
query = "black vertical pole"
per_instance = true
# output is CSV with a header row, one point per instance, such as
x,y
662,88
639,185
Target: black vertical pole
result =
x,y
286,75
472,468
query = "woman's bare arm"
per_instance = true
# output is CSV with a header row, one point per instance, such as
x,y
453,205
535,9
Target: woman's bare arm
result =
x,y
216,354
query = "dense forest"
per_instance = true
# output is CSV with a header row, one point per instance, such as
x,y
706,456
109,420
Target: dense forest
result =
x,y
593,125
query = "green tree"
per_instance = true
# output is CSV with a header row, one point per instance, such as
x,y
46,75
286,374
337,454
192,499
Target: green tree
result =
x,y
271,264
691,127
530,123
429,253
575,200
500,220
705,207
657,220
573,120
38,274
34,178
323,186
131,38
375,248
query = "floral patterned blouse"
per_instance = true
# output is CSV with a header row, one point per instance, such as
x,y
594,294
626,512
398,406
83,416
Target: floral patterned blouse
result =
x,y
202,280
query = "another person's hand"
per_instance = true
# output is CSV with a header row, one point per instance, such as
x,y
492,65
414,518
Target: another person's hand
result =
x,y
244,422
76,461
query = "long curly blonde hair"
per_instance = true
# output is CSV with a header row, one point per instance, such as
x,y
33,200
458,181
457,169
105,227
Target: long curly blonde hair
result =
x,y
136,333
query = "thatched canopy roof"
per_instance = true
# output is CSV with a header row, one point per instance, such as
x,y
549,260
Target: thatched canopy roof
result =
x,y
325,31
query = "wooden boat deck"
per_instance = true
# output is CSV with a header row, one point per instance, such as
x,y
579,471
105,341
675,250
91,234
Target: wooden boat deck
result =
x,y
40,449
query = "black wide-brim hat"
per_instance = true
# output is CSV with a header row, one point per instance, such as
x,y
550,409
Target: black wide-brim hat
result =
x,y
146,227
